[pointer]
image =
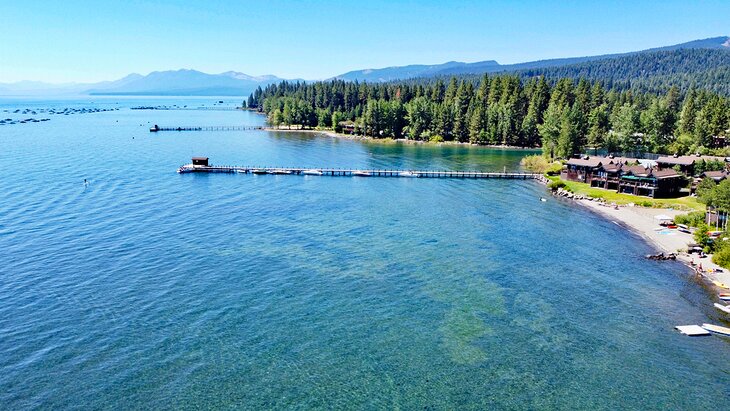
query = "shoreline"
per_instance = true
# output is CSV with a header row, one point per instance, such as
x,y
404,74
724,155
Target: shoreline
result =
x,y
389,140
641,221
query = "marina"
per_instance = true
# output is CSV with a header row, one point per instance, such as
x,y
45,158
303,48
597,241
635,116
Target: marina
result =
x,y
200,165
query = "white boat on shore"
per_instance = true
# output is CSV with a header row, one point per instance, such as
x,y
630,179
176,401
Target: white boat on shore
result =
x,y
721,307
717,329
312,172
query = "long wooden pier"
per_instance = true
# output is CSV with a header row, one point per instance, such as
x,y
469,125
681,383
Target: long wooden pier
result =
x,y
349,172
157,128
183,108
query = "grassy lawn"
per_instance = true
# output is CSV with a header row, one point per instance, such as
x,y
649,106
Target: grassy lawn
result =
x,y
682,203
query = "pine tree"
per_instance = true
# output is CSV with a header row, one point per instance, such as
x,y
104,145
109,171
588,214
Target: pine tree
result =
x,y
451,89
550,130
597,126
568,137
461,107
444,120
688,114
477,124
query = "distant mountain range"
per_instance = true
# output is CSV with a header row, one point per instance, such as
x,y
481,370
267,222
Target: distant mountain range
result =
x,y
157,83
491,66
231,83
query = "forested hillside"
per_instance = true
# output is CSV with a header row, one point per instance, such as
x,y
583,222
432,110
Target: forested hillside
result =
x,y
563,117
654,72
702,63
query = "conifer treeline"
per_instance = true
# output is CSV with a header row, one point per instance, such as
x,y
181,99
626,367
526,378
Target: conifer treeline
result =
x,y
564,117
653,72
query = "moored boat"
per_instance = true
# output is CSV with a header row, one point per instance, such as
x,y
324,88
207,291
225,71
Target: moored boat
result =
x,y
724,296
259,171
407,174
312,172
723,308
361,174
280,171
717,329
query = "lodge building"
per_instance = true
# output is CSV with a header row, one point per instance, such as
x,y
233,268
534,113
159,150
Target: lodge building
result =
x,y
625,175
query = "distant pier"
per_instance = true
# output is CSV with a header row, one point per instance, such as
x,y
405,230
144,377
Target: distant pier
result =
x,y
177,108
156,128
200,165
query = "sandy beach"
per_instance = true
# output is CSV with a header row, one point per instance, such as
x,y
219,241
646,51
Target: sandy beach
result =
x,y
642,221
330,133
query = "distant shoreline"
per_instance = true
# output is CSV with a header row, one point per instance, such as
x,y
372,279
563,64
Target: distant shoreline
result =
x,y
334,134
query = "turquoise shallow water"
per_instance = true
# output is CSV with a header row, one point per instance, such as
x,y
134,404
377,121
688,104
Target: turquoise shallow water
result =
x,y
149,289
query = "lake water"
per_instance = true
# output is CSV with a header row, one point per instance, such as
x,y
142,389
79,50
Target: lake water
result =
x,y
151,289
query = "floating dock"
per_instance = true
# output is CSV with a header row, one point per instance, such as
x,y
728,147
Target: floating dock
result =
x,y
692,330
156,128
200,165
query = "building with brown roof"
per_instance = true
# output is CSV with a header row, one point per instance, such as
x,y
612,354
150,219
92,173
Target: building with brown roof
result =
x,y
624,175
686,163
638,180
715,175
581,169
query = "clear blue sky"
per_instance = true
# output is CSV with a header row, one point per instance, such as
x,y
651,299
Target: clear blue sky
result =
x,y
84,41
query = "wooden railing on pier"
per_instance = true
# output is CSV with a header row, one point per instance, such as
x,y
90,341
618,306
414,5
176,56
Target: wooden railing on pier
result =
x,y
347,172
156,129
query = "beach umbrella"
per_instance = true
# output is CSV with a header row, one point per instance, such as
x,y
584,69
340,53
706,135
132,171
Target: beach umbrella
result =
x,y
662,217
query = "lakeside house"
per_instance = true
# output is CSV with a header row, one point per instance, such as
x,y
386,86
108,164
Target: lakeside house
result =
x,y
686,164
715,175
347,127
625,175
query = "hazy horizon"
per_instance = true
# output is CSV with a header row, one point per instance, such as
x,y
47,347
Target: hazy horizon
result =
x,y
74,43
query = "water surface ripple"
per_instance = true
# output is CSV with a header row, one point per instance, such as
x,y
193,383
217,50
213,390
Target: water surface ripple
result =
x,y
149,289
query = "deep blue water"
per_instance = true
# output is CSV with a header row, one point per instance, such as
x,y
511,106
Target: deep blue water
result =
x,y
150,289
